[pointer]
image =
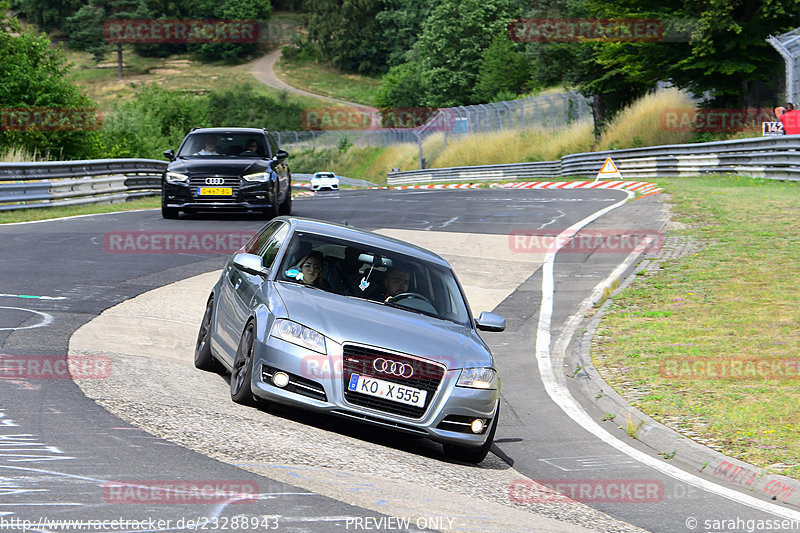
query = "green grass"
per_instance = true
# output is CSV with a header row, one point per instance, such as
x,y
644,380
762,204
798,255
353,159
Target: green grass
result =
x,y
179,72
46,213
734,300
321,78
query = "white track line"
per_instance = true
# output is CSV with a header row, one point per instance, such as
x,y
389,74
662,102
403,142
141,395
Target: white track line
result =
x,y
560,395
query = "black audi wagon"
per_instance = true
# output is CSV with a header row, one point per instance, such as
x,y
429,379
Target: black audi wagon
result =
x,y
231,169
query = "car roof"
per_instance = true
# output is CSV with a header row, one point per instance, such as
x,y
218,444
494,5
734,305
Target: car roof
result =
x,y
349,233
228,130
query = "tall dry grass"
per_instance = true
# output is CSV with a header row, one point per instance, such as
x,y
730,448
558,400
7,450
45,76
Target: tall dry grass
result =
x,y
642,123
16,154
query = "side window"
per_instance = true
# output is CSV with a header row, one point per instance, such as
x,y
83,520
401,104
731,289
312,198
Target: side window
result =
x,y
273,145
273,246
258,242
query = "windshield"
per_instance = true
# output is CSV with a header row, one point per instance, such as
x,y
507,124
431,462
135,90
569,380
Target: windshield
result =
x,y
356,270
224,144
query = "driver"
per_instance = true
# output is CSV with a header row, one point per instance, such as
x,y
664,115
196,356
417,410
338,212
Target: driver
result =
x,y
395,282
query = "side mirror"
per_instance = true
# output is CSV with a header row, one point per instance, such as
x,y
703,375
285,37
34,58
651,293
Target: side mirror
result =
x,y
170,154
490,322
250,263
281,154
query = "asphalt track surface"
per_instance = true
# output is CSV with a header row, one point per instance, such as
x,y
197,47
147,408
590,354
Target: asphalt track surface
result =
x,y
57,446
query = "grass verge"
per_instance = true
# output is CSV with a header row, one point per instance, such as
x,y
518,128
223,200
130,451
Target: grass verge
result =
x,y
708,344
46,213
321,78
179,72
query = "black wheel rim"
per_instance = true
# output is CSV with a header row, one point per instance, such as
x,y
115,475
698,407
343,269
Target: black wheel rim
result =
x,y
242,362
205,329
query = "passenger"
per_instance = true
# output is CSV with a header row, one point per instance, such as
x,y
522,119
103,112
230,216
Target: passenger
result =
x,y
311,268
210,147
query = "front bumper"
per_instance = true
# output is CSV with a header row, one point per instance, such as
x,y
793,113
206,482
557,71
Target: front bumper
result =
x,y
317,383
324,186
245,197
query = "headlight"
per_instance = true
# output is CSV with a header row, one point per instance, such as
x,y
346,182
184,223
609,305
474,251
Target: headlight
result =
x,y
477,378
176,177
260,177
299,335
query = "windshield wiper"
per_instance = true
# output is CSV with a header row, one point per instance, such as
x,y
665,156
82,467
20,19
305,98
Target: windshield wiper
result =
x,y
413,309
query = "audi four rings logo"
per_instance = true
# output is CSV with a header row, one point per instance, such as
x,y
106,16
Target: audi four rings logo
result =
x,y
215,181
401,370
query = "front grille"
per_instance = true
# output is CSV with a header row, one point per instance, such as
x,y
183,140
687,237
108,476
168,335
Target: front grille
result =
x,y
297,384
230,181
427,376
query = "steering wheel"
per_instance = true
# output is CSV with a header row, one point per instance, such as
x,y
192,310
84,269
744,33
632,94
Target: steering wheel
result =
x,y
404,295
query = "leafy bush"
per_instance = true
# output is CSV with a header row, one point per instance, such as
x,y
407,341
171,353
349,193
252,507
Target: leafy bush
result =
x,y
245,105
35,78
158,119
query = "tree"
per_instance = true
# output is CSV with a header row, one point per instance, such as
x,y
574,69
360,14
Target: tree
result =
x,y
86,26
228,10
450,48
347,32
400,23
400,87
502,70
722,50
47,14
36,84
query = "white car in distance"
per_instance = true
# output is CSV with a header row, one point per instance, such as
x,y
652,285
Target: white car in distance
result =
x,y
324,180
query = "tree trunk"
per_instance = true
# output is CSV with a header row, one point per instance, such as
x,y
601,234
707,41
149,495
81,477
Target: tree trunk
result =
x,y
119,62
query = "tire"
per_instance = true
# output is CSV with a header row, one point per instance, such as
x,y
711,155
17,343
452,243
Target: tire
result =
x,y
273,210
169,212
468,454
242,371
202,350
286,206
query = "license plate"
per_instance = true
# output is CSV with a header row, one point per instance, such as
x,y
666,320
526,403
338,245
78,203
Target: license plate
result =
x,y
214,191
387,390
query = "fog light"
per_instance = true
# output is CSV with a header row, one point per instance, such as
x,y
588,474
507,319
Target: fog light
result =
x,y
477,425
281,379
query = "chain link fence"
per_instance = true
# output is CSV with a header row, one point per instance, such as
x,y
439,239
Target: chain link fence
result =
x,y
551,111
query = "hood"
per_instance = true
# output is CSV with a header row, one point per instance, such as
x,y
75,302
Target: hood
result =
x,y
229,166
345,319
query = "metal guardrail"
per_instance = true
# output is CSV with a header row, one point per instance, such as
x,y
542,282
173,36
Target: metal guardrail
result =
x,y
59,183
26,185
763,157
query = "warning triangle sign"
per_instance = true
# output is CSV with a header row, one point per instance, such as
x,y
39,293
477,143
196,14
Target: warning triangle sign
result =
x,y
608,170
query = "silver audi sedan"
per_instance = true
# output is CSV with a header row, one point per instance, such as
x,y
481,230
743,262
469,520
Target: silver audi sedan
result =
x,y
355,324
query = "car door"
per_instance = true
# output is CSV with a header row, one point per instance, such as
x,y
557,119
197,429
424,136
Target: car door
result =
x,y
246,288
229,324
